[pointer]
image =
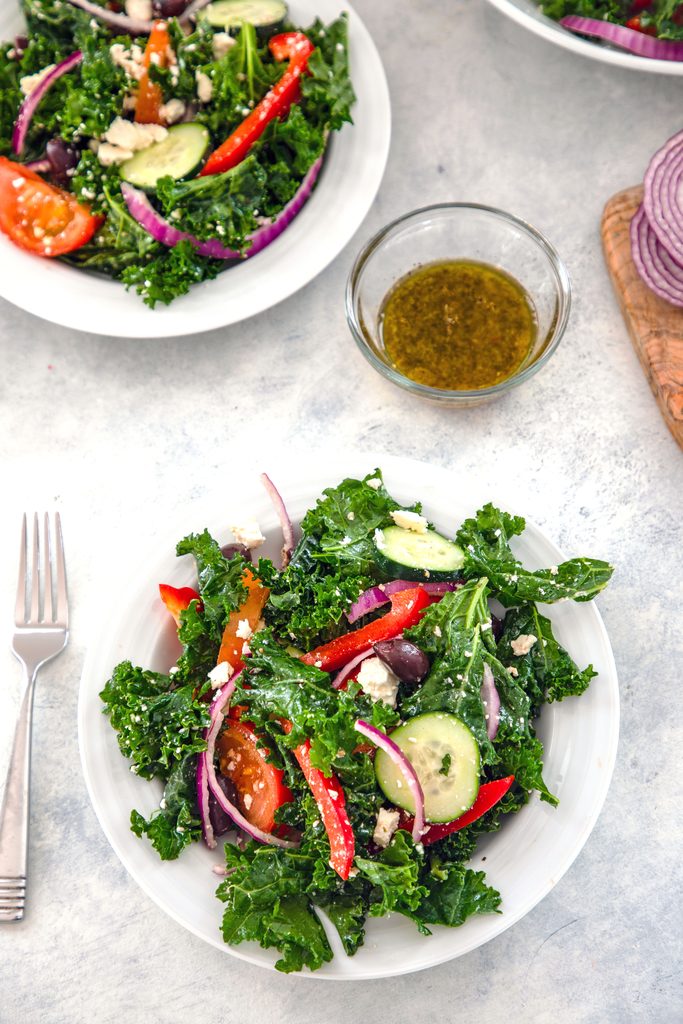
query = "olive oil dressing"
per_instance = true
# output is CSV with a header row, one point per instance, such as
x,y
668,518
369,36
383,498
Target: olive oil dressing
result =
x,y
458,325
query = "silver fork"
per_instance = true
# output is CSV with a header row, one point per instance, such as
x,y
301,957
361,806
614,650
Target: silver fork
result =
x,y
37,638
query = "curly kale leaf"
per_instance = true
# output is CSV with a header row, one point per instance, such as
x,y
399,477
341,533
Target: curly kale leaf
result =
x,y
546,672
222,206
10,97
327,91
277,685
176,823
453,894
220,579
266,902
450,632
485,542
158,723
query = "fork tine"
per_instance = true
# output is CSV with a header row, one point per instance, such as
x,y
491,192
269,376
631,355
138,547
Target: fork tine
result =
x,y
20,607
62,596
47,571
35,573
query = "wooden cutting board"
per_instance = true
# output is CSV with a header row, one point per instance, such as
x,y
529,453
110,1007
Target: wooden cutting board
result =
x,y
655,326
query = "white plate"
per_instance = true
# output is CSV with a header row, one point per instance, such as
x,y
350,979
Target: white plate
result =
x,y
524,860
346,187
529,15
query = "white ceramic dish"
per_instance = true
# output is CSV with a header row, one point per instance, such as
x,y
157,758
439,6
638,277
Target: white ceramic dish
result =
x,y
529,15
524,860
347,185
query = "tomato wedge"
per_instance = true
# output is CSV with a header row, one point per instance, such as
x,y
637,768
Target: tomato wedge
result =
x,y
150,98
259,789
234,632
406,610
177,599
40,218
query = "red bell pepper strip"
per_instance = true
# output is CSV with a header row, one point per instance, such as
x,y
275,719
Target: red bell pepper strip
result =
x,y
177,599
275,103
489,795
406,610
150,98
332,806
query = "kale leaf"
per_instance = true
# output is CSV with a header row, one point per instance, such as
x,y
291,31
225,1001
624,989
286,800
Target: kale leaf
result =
x,y
484,540
176,823
327,91
454,893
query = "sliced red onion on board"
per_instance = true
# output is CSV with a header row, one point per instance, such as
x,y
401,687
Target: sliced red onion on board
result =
x,y
661,195
393,751
661,273
283,516
207,780
491,701
625,38
368,601
28,106
344,673
129,26
141,209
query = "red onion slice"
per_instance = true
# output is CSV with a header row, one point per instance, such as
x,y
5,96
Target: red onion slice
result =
x,y
368,601
283,516
28,106
491,701
39,166
661,195
662,274
433,589
393,751
343,674
162,231
625,38
206,778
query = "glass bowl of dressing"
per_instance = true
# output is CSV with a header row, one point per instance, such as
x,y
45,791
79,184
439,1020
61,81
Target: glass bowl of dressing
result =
x,y
458,302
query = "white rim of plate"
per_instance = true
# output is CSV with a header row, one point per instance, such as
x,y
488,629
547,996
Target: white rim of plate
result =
x,y
290,478
537,22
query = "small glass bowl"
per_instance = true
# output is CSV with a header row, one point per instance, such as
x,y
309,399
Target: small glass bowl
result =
x,y
453,231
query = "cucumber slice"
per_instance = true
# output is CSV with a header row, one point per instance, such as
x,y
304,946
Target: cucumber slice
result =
x,y
178,155
416,556
227,14
445,756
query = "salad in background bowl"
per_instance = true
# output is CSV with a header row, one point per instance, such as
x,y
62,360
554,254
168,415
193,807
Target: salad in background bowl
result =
x,y
358,712
159,151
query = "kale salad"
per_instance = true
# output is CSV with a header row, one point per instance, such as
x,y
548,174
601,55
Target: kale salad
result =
x,y
160,141
354,718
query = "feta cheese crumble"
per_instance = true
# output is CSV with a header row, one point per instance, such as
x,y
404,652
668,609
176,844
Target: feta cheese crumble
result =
x,y
172,111
248,533
139,10
221,43
243,630
408,520
387,823
378,681
204,87
29,83
128,59
220,674
523,644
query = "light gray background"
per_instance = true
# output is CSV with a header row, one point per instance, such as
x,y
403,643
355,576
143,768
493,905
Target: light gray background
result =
x,y
119,433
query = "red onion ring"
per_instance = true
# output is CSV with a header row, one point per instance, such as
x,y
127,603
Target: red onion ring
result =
x,y
660,195
491,701
650,258
343,673
206,778
392,749
625,38
162,231
29,104
433,589
283,516
368,601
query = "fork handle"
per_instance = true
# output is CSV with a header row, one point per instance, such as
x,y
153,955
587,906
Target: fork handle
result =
x,y
14,816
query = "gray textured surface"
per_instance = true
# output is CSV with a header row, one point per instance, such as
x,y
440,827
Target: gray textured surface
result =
x,y
118,432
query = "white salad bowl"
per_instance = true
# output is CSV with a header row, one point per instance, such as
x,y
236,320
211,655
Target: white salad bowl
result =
x,y
347,184
530,15
524,860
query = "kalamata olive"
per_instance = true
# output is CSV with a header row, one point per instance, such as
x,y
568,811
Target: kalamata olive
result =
x,y
405,659
169,8
220,821
230,550
62,157
497,627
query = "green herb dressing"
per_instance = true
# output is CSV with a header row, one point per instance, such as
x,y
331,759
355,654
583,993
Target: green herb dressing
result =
x,y
458,325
